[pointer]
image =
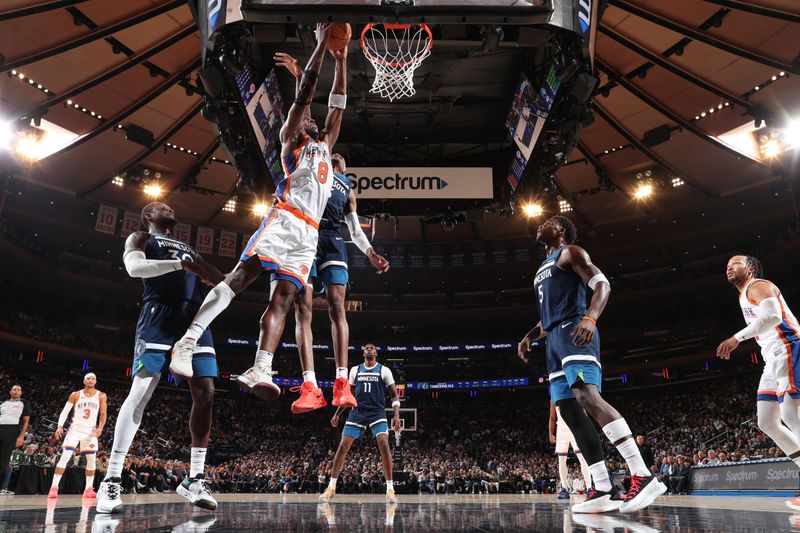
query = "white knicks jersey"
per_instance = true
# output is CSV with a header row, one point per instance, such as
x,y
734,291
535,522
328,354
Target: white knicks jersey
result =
x,y
86,411
309,178
779,341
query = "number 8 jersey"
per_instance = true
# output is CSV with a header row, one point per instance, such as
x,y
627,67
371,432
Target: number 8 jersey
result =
x,y
309,178
174,287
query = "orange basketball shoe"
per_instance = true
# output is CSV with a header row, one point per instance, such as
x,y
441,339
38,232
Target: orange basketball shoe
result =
x,y
310,399
342,397
53,493
89,493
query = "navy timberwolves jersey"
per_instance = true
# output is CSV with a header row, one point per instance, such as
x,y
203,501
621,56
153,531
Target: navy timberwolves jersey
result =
x,y
175,286
561,293
334,209
370,387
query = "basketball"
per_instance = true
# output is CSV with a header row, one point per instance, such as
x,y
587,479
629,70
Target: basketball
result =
x,y
339,36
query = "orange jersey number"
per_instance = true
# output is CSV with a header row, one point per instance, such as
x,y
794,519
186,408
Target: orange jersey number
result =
x,y
322,172
87,413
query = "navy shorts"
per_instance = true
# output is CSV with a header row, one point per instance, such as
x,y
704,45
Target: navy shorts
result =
x,y
567,363
360,421
160,326
330,265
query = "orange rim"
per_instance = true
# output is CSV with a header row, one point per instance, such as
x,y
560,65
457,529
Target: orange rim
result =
x,y
380,60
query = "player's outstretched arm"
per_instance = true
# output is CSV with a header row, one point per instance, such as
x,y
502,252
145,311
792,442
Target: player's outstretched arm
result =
x,y
305,94
395,407
282,59
339,412
337,101
769,315
360,239
551,424
532,336
576,258
207,272
62,418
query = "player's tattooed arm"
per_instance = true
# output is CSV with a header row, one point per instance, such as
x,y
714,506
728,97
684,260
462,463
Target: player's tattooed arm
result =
x,y
305,94
282,59
576,258
208,273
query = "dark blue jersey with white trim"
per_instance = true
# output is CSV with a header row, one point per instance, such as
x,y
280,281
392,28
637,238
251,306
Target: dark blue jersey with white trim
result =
x,y
334,210
175,286
560,293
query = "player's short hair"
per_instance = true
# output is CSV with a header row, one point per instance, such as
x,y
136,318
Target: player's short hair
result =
x,y
340,157
752,261
570,231
16,385
148,210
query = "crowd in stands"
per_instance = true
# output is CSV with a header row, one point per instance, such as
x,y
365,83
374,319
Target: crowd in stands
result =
x,y
493,443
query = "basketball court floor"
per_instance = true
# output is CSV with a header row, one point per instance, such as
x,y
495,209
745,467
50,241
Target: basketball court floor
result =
x,y
270,512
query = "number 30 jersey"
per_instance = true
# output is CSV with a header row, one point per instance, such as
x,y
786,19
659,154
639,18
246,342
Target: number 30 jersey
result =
x,y
309,178
173,287
560,293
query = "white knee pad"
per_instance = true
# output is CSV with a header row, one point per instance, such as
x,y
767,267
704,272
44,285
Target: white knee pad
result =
x,y
91,462
66,455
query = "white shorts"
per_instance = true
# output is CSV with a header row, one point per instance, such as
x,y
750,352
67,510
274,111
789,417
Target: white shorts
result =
x,y
564,439
286,244
80,438
778,379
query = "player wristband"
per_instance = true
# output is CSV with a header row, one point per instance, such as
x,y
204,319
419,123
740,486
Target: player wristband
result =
x,y
590,319
396,403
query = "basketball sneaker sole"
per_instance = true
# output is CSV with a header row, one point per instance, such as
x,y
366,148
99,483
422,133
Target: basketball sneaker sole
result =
x,y
647,496
268,392
209,505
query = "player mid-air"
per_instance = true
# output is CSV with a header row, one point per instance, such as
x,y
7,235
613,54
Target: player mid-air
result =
x,y
171,272
371,379
286,242
573,364
330,266
561,436
87,425
777,332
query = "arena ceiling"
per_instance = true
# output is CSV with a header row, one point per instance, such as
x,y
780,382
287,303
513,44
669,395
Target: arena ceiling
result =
x,y
673,77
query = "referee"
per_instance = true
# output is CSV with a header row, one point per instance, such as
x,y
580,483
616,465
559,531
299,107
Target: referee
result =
x,y
14,416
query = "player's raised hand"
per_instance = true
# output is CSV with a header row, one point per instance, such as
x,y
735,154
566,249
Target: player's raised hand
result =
x,y
57,433
323,31
583,333
291,64
380,263
726,347
339,55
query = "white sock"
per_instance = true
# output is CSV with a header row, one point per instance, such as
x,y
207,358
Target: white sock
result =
x,y
617,431
90,481
263,358
56,479
332,483
389,485
310,375
198,462
600,476
217,300
129,418
341,372
587,475
563,472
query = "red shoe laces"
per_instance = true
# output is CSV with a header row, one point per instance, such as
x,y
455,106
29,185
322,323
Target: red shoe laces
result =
x,y
635,482
591,494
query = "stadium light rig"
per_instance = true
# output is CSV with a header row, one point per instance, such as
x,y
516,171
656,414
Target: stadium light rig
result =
x,y
230,206
260,209
532,210
153,190
645,190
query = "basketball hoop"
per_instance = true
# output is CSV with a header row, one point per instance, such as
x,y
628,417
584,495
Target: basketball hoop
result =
x,y
395,50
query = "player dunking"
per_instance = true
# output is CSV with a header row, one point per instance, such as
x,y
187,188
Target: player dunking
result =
x,y
561,436
87,425
371,379
286,242
171,272
330,265
573,364
776,330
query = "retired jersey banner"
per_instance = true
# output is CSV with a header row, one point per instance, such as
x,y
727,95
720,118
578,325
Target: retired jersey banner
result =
x,y
421,182
130,224
204,243
227,244
106,219
182,232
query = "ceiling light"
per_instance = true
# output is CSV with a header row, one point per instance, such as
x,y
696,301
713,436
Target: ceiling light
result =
x,y
153,190
644,190
260,209
563,206
7,135
677,182
119,181
532,210
230,206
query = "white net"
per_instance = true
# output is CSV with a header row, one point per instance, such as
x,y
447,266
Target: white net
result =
x,y
395,50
